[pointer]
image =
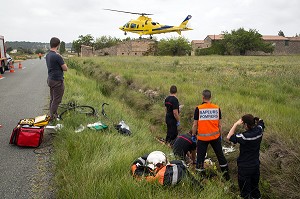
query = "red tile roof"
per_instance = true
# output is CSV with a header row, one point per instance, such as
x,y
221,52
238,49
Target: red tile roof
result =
x,y
198,41
215,37
274,38
264,37
294,38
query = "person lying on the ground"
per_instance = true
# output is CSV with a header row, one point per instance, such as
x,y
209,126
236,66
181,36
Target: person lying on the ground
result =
x,y
184,148
156,168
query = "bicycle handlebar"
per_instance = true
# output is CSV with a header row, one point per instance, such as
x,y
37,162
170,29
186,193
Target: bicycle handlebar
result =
x,y
103,112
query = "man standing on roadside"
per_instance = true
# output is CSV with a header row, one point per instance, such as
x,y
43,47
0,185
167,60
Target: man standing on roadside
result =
x,y
172,115
56,66
207,126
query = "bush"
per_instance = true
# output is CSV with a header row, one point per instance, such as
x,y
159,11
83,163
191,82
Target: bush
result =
x,y
174,47
217,48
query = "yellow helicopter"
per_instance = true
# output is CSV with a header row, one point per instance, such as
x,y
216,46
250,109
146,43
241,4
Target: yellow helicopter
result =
x,y
144,25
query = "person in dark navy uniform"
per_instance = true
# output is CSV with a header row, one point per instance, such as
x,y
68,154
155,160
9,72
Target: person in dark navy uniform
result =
x,y
248,160
172,115
184,147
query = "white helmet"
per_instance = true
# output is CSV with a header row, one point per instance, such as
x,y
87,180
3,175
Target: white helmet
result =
x,y
155,158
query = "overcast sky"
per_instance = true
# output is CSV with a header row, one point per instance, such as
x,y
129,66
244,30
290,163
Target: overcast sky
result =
x,y
39,20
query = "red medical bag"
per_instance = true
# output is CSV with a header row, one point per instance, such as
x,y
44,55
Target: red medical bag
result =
x,y
27,136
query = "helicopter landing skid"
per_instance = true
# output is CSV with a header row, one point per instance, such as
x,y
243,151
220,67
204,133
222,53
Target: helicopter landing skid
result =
x,y
142,37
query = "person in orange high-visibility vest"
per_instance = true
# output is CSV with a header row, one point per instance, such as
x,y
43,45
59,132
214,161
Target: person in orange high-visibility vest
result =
x,y
207,127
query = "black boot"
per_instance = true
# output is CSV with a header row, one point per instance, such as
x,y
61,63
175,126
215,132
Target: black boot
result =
x,y
225,172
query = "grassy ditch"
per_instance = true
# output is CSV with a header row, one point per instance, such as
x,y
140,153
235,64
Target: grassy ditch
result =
x,y
96,164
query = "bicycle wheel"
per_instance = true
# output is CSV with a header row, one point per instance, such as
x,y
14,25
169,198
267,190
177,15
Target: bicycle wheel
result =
x,y
64,106
87,110
69,105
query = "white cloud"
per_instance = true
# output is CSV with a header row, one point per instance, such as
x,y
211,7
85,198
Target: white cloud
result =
x,y
32,20
40,12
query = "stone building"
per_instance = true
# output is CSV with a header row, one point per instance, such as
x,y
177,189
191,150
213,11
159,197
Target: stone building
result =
x,y
197,44
209,39
139,47
86,51
206,43
282,45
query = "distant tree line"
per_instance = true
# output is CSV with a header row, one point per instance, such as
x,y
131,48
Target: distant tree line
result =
x,y
98,43
173,46
26,45
33,47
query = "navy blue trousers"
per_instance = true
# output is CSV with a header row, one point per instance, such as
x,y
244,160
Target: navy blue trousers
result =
x,y
248,178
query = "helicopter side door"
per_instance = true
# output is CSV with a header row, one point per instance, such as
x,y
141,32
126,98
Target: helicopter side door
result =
x,y
148,26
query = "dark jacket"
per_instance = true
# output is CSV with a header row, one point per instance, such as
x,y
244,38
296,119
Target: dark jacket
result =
x,y
249,145
182,145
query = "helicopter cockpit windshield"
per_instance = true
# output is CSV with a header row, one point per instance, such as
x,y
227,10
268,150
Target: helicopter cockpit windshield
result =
x,y
154,23
133,25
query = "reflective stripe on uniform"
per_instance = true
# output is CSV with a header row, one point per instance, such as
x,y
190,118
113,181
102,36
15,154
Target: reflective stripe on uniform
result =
x,y
244,138
223,165
175,174
208,134
142,160
185,139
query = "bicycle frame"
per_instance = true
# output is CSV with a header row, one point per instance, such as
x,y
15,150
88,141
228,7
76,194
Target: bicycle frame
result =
x,y
72,106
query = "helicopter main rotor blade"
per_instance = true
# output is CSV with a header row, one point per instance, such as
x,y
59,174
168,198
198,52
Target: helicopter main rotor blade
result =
x,y
136,13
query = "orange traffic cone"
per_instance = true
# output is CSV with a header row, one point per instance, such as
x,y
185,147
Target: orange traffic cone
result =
x,y
20,65
11,70
0,78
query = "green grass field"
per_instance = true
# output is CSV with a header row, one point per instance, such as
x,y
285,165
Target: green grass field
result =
x,y
94,164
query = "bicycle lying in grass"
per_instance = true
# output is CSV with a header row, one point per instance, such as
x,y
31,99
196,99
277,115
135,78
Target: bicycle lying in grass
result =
x,y
72,108
121,127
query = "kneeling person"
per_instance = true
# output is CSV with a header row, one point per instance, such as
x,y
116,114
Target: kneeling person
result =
x,y
184,147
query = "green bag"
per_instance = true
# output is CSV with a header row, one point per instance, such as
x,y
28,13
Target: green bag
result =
x,y
97,126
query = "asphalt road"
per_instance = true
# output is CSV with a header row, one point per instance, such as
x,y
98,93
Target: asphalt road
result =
x,y
23,94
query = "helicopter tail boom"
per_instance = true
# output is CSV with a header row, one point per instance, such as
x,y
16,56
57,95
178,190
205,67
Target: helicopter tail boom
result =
x,y
185,21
